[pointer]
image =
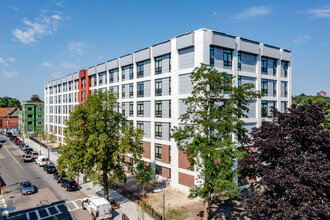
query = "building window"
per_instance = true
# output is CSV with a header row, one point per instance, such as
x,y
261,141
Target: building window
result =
x,y
123,73
111,76
170,85
131,105
211,56
170,109
274,67
285,89
227,57
30,116
39,116
239,81
140,109
264,65
131,90
140,125
239,64
39,123
123,91
274,88
29,109
140,89
131,72
158,130
285,68
158,87
169,63
158,152
158,109
70,85
29,122
158,170
140,69
123,108
264,108
264,86
158,65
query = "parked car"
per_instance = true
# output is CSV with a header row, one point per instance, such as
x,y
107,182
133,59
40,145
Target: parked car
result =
x,y
58,177
42,161
99,208
13,138
34,154
50,168
28,150
9,134
21,145
24,147
26,188
69,184
18,142
26,158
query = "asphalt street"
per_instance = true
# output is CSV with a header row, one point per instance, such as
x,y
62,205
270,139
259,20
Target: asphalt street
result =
x,y
51,201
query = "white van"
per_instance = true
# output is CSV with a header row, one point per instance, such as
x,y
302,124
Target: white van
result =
x,y
42,160
99,208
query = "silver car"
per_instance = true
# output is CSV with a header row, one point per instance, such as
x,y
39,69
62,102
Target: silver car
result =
x,y
26,188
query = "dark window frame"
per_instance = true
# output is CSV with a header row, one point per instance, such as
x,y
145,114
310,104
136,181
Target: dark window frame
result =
x,y
264,86
140,109
264,109
211,56
158,87
264,65
140,69
131,90
158,130
158,65
158,109
140,89
239,61
158,152
227,58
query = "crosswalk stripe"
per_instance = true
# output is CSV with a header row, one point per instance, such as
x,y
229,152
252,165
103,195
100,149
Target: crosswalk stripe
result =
x,y
37,213
48,212
28,216
77,207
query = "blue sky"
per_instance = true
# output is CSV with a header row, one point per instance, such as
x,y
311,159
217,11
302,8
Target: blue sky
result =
x,y
41,40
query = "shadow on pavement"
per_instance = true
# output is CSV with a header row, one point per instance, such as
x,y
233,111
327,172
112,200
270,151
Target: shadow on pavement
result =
x,y
58,209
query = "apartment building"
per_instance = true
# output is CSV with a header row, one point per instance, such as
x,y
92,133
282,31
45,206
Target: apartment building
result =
x,y
153,82
31,117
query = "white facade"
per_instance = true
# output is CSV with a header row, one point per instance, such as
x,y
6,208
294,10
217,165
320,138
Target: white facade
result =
x,y
251,62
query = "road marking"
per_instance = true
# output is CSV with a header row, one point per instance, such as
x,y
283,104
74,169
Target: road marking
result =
x,y
13,158
28,216
48,212
77,207
37,213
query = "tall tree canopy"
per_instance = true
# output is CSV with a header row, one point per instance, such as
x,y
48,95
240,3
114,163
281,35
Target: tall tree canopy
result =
x,y
214,115
9,102
292,162
98,138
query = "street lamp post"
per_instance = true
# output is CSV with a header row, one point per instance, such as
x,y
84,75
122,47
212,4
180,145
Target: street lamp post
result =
x,y
48,148
162,190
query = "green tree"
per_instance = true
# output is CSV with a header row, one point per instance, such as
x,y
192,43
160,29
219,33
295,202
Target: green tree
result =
x,y
214,112
98,138
36,131
52,138
9,102
35,99
144,175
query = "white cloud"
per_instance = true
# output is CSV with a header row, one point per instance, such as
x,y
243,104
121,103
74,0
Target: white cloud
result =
x,y
69,66
76,47
57,17
8,74
214,13
253,12
46,64
15,8
59,4
302,39
42,26
319,13
2,61
11,59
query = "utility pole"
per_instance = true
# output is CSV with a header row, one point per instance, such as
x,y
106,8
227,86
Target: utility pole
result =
x,y
48,148
8,119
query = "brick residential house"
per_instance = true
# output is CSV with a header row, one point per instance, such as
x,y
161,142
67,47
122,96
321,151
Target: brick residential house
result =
x,y
9,118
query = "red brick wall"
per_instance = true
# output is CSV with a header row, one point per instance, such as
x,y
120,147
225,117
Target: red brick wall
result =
x,y
183,161
186,180
166,172
147,150
165,154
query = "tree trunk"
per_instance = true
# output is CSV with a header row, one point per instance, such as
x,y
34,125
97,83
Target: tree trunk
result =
x,y
106,186
206,210
142,190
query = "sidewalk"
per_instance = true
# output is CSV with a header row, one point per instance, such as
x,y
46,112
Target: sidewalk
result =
x,y
131,210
